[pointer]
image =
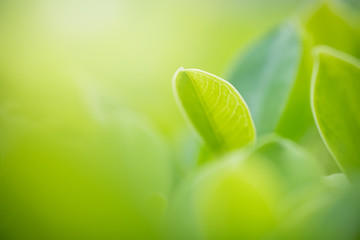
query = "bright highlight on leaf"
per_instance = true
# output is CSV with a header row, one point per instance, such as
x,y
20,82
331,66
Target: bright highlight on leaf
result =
x,y
214,108
335,103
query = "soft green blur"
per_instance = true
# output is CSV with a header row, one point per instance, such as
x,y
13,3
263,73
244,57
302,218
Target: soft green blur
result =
x,y
93,146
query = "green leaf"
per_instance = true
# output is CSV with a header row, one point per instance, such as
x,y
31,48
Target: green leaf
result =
x,y
226,198
265,75
295,165
214,108
335,103
298,111
333,215
335,28
230,199
353,4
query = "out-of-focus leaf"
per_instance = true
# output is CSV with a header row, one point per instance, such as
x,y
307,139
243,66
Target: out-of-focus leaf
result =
x,y
335,102
337,181
231,201
354,4
294,164
226,198
329,27
214,108
234,198
265,75
72,171
298,111
141,155
191,153
294,119
333,215
299,171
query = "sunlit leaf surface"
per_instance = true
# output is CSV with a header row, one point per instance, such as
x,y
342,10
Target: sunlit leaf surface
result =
x,y
215,109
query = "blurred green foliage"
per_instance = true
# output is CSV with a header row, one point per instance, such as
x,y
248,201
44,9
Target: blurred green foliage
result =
x,y
335,105
93,146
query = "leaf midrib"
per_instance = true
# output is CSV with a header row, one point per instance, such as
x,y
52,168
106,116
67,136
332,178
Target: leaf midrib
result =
x,y
219,140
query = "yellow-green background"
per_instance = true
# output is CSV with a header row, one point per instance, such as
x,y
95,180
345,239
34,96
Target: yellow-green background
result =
x,y
88,123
